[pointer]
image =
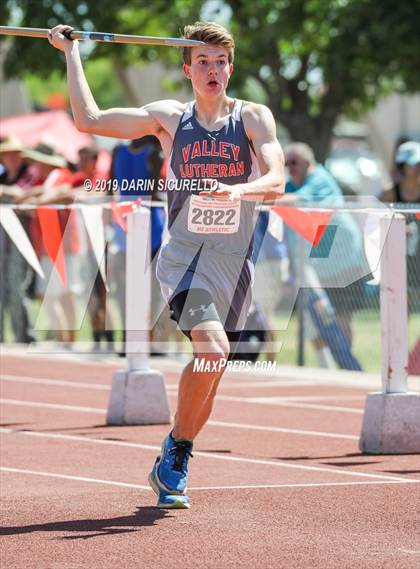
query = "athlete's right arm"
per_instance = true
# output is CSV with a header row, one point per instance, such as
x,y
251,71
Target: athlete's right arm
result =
x,y
127,123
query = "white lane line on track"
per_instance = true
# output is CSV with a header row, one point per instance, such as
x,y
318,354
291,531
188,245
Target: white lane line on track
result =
x,y
101,411
281,430
301,375
204,454
231,382
277,401
208,488
63,407
308,485
62,382
107,387
54,382
77,408
411,551
78,478
286,398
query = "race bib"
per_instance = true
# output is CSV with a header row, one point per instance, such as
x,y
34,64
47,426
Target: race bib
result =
x,y
207,215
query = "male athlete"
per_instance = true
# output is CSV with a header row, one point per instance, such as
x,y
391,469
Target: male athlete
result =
x,y
204,270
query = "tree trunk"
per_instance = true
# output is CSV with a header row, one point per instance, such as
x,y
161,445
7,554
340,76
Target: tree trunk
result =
x,y
124,80
316,132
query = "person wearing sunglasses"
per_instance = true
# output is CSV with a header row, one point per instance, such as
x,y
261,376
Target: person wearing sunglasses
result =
x,y
337,261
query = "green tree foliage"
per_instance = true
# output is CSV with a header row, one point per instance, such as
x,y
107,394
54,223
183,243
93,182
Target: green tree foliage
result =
x,y
98,71
318,59
139,17
309,60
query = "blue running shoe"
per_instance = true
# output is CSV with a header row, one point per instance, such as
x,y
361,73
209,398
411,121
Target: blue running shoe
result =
x,y
172,501
170,471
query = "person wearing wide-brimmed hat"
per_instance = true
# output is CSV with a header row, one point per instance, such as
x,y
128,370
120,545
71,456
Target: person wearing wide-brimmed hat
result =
x,y
46,163
15,175
11,144
17,274
46,154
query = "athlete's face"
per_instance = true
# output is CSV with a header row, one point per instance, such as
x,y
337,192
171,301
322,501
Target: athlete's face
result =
x,y
210,70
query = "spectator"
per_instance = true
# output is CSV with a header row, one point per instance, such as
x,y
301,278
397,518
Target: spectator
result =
x,y
16,273
99,312
406,191
53,186
87,165
406,187
140,161
311,183
270,258
396,170
87,168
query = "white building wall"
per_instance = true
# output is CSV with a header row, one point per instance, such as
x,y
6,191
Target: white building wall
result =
x,y
14,98
393,117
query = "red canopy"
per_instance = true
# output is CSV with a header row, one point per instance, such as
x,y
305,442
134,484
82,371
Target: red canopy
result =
x,y
52,127
55,128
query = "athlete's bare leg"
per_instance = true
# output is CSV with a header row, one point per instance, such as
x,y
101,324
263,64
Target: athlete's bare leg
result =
x,y
197,389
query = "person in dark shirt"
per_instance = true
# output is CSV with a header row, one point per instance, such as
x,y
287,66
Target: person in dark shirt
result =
x,y
405,194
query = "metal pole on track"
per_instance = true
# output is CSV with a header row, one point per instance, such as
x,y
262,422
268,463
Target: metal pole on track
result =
x,y
103,37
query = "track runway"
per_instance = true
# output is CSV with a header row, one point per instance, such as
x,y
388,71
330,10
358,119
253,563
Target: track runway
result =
x,y
277,480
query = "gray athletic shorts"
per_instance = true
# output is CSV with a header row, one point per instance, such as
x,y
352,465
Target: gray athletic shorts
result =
x,y
227,278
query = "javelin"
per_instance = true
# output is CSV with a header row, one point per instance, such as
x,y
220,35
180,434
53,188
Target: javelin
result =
x,y
98,36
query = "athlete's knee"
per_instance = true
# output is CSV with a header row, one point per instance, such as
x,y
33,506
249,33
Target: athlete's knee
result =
x,y
210,365
212,345
215,352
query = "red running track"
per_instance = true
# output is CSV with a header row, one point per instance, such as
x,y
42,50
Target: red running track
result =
x,y
277,480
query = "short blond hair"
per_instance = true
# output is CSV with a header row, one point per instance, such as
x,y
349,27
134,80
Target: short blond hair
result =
x,y
211,33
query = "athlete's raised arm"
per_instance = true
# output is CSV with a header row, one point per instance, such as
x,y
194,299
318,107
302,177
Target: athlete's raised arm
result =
x,y
120,123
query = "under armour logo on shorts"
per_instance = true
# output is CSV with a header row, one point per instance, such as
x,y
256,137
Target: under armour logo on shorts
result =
x,y
192,311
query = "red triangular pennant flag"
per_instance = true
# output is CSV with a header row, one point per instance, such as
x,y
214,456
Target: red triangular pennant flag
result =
x,y
52,238
310,225
120,210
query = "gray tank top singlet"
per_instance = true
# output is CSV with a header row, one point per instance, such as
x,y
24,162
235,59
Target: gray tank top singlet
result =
x,y
225,155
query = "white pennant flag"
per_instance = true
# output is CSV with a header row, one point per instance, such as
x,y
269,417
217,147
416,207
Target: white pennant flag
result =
x,y
165,231
374,243
92,216
275,226
13,227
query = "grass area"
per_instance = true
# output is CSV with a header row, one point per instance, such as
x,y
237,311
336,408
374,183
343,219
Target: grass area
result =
x,y
39,320
366,342
366,327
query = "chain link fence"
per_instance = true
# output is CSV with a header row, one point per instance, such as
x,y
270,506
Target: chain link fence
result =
x,y
323,304
313,305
